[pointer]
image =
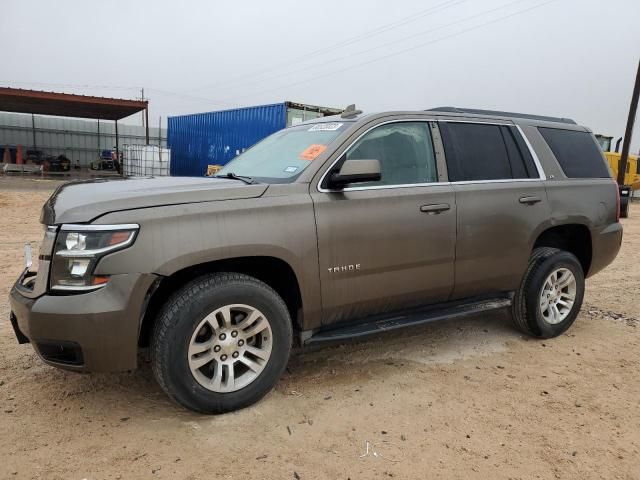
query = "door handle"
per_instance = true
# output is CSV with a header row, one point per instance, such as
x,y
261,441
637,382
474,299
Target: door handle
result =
x,y
530,200
435,208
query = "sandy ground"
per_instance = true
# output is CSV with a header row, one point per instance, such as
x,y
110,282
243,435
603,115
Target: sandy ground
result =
x,y
464,399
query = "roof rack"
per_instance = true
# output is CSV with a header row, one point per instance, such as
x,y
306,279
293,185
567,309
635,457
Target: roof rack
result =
x,y
497,113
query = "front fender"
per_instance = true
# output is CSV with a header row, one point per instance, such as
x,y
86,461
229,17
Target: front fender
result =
x,y
172,238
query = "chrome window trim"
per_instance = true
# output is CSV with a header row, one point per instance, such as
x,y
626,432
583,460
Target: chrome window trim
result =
x,y
497,180
536,160
83,227
503,123
384,187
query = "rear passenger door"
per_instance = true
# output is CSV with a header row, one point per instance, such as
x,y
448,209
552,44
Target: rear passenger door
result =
x,y
501,204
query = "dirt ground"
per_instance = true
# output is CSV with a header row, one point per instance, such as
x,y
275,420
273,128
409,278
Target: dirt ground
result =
x,y
464,399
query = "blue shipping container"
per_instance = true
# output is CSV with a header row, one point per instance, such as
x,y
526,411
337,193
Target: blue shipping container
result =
x,y
214,138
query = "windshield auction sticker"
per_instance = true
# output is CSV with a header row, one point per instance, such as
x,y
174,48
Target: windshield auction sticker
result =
x,y
312,151
325,127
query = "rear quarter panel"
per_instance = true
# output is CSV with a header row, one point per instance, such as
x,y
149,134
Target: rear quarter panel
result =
x,y
585,201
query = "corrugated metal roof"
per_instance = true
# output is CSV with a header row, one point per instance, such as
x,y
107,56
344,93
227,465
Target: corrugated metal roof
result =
x,y
67,105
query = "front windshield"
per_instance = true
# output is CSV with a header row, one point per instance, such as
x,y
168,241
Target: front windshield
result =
x,y
281,157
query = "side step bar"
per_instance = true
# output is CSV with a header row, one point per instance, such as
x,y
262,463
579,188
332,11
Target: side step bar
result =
x,y
387,323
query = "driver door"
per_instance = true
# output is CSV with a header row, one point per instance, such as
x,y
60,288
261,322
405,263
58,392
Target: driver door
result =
x,y
387,245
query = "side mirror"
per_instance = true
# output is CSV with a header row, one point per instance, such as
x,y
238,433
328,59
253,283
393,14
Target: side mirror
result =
x,y
355,171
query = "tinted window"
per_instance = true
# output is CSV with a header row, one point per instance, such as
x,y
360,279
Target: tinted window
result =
x,y
475,151
405,152
577,153
522,165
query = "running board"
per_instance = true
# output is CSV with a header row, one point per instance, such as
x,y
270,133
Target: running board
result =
x,y
387,323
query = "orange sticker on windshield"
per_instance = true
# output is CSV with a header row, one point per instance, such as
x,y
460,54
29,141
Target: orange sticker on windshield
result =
x,y
312,151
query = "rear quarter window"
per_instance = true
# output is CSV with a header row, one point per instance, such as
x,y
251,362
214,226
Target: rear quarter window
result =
x,y
577,153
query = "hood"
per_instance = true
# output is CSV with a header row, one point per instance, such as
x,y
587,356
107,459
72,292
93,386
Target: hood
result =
x,y
82,201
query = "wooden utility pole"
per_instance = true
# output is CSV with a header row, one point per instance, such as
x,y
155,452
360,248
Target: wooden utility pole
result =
x,y
633,107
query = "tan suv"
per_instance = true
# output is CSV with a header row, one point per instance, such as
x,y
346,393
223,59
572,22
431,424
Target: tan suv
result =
x,y
333,229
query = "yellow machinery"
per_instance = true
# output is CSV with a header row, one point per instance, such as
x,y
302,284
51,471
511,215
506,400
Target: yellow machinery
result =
x,y
632,175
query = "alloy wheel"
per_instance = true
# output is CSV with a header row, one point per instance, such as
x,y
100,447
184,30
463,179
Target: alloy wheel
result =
x,y
558,295
230,348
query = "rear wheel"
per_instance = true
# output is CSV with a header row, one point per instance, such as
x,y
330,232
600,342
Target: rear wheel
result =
x,y
221,342
551,293
624,211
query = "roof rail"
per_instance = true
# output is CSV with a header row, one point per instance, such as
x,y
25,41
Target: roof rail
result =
x,y
497,113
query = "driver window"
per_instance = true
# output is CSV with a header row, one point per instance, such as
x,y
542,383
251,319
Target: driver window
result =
x,y
405,152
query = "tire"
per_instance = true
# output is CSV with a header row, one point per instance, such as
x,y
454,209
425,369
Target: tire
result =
x,y
187,324
528,314
624,212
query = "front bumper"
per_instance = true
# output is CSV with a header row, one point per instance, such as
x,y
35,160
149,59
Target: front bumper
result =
x,y
95,331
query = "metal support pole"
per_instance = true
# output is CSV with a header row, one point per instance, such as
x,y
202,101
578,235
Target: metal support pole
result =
x,y
117,144
142,98
33,129
633,107
146,116
99,152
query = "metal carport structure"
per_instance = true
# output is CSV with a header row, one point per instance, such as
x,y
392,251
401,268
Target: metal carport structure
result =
x,y
70,105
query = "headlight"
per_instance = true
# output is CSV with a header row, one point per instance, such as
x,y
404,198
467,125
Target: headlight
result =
x,y
78,249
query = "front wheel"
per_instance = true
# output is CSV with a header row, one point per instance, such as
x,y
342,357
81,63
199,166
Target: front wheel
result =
x,y
221,342
551,293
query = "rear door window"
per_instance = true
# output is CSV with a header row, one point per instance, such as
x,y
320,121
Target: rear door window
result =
x,y
577,153
477,151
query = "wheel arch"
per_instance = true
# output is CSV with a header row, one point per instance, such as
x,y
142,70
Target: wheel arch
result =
x,y
273,271
572,237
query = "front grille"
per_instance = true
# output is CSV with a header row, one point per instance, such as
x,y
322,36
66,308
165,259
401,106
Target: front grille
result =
x,y
68,353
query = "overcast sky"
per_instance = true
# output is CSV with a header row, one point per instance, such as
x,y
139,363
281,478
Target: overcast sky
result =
x,y
568,58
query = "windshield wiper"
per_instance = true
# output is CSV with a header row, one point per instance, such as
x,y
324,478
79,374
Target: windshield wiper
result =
x,y
233,176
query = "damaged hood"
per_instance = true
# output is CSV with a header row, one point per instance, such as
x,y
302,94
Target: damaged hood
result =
x,y
83,201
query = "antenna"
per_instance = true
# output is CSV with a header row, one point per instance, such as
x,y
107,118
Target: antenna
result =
x,y
350,111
